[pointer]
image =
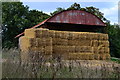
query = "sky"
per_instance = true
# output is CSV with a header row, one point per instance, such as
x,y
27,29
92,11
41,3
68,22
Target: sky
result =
x,y
110,9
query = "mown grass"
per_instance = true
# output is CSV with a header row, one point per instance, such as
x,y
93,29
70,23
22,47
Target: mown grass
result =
x,y
12,67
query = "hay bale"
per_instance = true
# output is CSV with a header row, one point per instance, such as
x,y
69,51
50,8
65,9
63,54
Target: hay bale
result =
x,y
51,33
43,49
76,36
103,43
48,50
25,43
103,37
63,49
83,49
43,42
58,34
64,35
79,42
71,36
107,56
30,33
35,42
97,56
59,41
100,50
81,56
104,56
37,33
107,50
82,36
94,43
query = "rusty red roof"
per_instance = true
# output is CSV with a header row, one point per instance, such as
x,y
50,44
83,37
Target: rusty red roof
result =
x,y
76,17
72,17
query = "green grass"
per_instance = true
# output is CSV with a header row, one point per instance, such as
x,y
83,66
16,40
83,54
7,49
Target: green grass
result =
x,y
115,60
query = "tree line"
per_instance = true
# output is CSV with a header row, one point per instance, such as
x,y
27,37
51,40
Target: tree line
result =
x,y
16,18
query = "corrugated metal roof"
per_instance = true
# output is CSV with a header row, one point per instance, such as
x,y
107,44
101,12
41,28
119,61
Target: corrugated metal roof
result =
x,y
76,17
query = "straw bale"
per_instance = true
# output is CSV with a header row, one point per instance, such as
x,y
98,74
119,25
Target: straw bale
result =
x,y
96,36
76,35
35,42
107,56
64,34
103,43
37,49
104,56
42,50
83,49
30,33
107,50
97,56
81,56
51,33
37,33
103,37
60,49
71,36
89,36
59,41
79,42
25,42
63,56
100,50
63,49
45,33
82,36
48,50
92,36
94,43
43,42
58,34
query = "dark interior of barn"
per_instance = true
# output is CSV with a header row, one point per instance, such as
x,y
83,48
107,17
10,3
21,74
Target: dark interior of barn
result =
x,y
75,27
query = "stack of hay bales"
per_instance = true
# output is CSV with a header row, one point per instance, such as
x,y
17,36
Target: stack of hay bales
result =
x,y
35,44
68,45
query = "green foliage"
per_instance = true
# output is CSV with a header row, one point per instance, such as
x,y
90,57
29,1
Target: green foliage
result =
x,y
15,19
115,60
74,6
114,38
59,9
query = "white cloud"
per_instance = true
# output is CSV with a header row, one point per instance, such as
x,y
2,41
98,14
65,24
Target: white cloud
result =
x,y
111,13
47,13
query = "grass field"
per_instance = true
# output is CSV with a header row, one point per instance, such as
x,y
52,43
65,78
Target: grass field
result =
x,y
12,67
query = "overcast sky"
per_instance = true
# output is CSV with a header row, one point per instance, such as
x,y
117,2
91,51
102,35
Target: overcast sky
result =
x,y
110,9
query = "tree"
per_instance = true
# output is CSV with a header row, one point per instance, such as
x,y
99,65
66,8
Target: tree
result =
x,y
59,9
74,6
34,17
114,39
15,19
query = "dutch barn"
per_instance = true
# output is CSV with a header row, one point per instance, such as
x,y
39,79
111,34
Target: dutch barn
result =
x,y
70,34
75,20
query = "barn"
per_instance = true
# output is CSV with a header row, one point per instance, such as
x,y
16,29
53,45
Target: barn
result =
x,y
70,34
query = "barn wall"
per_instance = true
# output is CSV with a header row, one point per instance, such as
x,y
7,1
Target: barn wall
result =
x,y
65,44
